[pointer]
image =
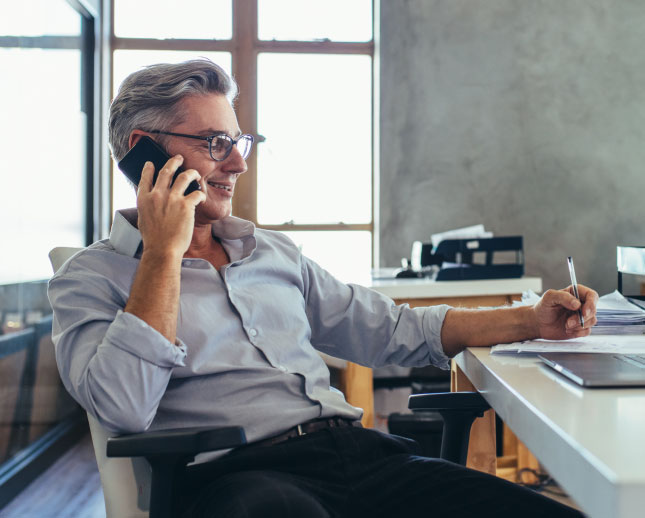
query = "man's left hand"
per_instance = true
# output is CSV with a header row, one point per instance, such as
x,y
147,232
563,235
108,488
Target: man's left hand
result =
x,y
557,313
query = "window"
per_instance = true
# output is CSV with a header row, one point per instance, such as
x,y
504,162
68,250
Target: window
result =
x,y
311,147
44,133
46,99
331,20
306,86
169,19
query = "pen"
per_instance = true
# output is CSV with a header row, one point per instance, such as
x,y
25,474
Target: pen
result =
x,y
574,283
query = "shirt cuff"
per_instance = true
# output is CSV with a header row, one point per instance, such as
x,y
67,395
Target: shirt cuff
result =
x,y
133,335
432,324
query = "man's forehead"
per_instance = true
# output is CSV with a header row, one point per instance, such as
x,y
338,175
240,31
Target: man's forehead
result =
x,y
210,115
216,131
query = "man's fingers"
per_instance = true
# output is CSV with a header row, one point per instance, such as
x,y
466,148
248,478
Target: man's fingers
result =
x,y
588,309
573,322
589,298
147,173
196,197
184,179
167,172
563,298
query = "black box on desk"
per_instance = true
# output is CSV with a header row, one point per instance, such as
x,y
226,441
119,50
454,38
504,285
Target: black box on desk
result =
x,y
472,259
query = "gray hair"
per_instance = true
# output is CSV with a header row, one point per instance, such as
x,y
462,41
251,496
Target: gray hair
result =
x,y
151,98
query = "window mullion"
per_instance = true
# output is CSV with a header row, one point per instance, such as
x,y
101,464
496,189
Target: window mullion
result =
x,y
172,44
319,226
245,30
317,47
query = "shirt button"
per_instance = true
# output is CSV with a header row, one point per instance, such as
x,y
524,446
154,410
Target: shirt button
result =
x,y
282,368
253,332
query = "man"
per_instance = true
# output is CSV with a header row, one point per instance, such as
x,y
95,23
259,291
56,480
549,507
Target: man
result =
x,y
187,316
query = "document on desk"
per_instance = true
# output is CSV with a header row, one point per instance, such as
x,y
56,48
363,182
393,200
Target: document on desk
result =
x,y
620,329
622,344
616,314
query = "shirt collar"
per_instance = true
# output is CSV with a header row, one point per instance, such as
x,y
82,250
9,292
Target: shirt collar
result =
x,y
126,238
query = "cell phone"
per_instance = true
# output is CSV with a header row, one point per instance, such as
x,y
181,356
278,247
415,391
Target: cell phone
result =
x,y
146,150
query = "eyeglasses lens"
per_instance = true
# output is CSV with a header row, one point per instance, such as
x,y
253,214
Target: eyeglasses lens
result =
x,y
221,146
244,145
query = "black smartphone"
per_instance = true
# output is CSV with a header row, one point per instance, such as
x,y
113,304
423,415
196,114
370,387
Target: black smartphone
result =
x,y
146,150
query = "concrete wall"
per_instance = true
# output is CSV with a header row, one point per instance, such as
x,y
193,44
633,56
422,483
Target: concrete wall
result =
x,y
528,117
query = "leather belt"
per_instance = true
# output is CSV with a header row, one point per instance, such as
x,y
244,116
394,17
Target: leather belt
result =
x,y
308,427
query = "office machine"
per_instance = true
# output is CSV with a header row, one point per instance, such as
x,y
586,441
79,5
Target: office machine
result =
x,y
470,259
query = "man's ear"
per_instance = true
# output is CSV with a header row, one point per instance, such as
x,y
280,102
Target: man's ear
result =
x,y
135,136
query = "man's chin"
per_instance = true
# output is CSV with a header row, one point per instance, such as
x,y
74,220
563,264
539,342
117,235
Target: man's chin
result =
x,y
209,214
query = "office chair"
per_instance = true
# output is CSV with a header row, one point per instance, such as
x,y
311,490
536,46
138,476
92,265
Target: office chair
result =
x,y
137,470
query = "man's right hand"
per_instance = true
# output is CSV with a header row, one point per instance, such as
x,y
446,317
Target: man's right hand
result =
x,y
166,216
166,221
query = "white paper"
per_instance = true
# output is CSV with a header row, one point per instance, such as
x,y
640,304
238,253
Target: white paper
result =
x,y
625,343
473,231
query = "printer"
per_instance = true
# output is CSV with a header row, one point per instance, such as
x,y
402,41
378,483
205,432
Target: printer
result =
x,y
467,259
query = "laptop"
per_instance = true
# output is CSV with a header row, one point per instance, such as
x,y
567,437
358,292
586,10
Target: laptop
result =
x,y
599,369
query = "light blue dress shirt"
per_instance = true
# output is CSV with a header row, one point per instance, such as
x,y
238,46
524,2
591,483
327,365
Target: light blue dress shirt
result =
x,y
248,336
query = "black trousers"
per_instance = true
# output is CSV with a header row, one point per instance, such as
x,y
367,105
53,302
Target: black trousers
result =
x,y
351,472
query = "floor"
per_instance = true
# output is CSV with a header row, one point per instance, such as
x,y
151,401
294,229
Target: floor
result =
x,y
70,488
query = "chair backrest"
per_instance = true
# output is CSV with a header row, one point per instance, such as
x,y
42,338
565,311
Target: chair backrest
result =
x,y
125,481
60,254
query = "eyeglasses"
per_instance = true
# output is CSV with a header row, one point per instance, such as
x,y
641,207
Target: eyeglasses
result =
x,y
220,145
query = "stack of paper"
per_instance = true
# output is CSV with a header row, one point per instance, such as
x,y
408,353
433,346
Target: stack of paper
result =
x,y
617,314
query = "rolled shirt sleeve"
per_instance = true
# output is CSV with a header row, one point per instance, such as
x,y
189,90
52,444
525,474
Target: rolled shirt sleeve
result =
x,y
128,330
432,324
114,364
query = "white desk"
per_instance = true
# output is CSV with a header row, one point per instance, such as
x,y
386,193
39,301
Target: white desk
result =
x,y
406,289
591,441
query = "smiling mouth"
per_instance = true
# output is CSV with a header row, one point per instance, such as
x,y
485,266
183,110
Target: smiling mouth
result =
x,y
220,186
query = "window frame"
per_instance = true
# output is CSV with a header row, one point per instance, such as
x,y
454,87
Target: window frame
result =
x,y
20,470
245,47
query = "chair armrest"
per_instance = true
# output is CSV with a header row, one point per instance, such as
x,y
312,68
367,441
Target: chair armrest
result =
x,y
469,401
175,442
459,410
168,452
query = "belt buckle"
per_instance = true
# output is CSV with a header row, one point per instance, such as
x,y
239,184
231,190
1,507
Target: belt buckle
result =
x,y
300,431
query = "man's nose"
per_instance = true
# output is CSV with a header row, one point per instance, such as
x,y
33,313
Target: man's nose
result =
x,y
235,163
